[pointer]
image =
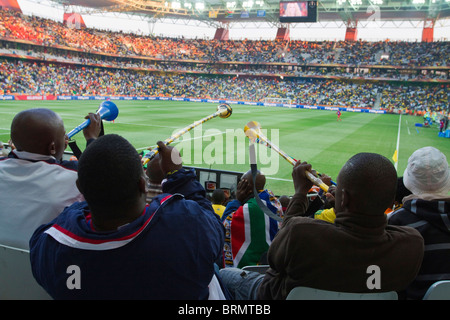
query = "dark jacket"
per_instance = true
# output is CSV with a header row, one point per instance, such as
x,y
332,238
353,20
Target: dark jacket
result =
x,y
322,255
432,220
166,253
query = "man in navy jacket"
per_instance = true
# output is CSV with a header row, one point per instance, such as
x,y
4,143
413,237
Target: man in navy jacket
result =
x,y
116,246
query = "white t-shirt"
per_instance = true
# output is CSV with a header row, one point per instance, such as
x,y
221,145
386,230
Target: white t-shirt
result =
x,y
34,189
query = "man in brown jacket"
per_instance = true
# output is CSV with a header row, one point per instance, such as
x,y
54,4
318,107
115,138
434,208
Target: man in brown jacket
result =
x,y
357,253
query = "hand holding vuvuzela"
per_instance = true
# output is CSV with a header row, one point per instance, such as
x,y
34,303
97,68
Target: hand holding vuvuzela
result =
x,y
253,132
223,111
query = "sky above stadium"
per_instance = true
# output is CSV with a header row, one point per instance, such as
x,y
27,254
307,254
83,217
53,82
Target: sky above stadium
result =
x,y
370,31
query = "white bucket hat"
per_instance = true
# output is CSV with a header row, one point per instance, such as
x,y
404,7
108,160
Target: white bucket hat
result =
x,y
427,172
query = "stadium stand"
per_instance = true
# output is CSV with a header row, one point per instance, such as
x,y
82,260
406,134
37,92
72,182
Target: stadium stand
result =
x,y
43,31
27,77
394,76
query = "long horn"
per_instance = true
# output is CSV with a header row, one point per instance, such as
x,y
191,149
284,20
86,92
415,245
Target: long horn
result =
x,y
224,111
290,159
253,131
107,111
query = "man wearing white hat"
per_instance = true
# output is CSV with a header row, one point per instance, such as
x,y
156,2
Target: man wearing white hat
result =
x,y
427,209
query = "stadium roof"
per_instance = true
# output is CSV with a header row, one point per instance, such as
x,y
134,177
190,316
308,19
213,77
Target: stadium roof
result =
x,y
216,12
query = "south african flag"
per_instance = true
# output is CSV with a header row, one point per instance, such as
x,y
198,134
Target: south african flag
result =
x,y
250,231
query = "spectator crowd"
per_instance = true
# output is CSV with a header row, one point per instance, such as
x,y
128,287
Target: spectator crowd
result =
x,y
45,32
23,77
83,61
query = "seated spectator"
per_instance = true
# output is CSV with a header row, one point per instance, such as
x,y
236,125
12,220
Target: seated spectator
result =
x,y
336,256
218,199
50,34
124,247
284,201
249,232
427,209
327,212
228,196
35,184
401,192
321,204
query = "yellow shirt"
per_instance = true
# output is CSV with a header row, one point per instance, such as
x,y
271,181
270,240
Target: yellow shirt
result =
x,y
218,209
327,215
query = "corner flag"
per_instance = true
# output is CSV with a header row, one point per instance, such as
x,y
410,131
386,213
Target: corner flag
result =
x,y
395,156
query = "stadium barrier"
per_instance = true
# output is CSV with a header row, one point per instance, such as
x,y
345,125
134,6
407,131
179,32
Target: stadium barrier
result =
x,y
35,97
209,178
249,103
7,97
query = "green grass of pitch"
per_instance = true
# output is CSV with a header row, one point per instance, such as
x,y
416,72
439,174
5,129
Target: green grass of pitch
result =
x,y
310,135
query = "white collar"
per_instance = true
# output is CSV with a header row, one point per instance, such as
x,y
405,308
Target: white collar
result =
x,y
32,156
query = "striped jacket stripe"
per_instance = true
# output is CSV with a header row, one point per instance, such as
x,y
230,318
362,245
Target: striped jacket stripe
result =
x,y
70,239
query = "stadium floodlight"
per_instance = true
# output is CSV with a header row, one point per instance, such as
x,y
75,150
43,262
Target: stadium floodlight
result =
x,y
418,1
199,6
176,5
188,5
377,2
340,2
261,3
247,4
231,5
355,2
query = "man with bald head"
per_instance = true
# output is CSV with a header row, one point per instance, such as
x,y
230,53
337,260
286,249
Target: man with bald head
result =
x,y
357,253
249,231
39,131
36,184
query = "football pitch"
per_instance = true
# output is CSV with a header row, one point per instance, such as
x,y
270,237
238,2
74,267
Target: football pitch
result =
x,y
314,136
